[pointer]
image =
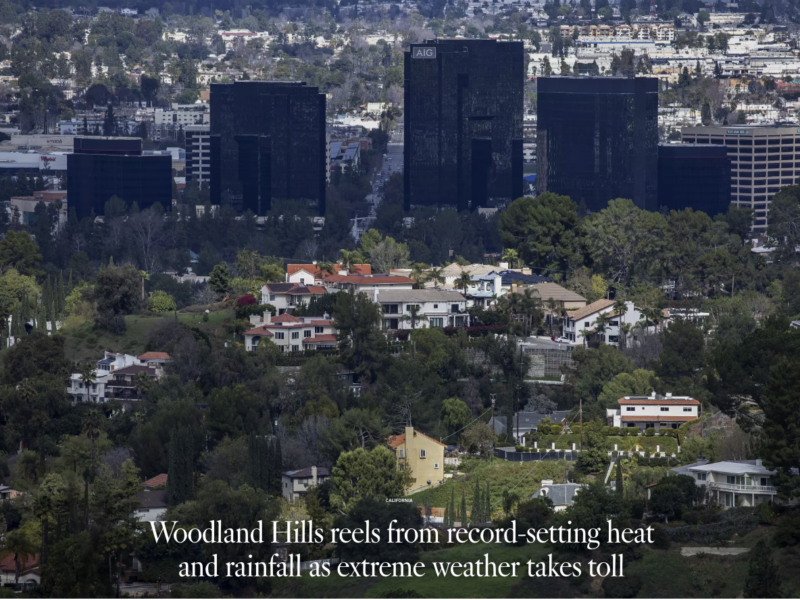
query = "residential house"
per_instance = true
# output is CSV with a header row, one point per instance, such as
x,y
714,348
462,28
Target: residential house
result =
x,y
29,572
8,493
435,308
157,482
293,334
155,360
303,274
453,272
562,495
94,390
581,326
286,297
420,454
367,283
153,505
295,484
525,422
658,412
733,482
122,383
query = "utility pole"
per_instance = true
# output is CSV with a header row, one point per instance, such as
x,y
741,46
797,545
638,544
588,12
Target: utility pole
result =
x,y
491,456
581,417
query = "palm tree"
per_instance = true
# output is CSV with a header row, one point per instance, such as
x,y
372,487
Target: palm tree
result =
x,y
464,281
144,276
20,545
327,267
621,308
552,307
43,509
531,308
413,316
419,274
88,377
511,256
351,257
601,326
436,275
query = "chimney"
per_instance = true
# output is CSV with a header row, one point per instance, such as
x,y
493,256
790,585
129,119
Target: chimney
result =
x,y
314,476
758,462
702,460
669,394
653,395
375,295
547,482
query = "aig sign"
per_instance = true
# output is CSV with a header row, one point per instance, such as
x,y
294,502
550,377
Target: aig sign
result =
x,y
423,52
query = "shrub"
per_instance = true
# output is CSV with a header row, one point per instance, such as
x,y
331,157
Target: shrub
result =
x,y
519,448
650,431
622,587
660,538
246,300
556,429
633,431
607,430
161,302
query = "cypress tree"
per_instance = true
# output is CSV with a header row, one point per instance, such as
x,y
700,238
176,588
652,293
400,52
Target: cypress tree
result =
x,y
62,295
446,518
487,510
69,283
277,468
618,478
476,503
181,465
24,312
464,517
453,515
763,577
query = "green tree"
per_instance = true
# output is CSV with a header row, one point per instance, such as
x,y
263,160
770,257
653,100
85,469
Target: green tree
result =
x,y
763,576
638,383
784,223
220,279
19,251
161,302
543,231
361,474
362,345
455,414
116,294
180,482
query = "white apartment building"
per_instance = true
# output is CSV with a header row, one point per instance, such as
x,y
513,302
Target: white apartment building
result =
x,y
733,483
763,160
198,153
435,308
658,412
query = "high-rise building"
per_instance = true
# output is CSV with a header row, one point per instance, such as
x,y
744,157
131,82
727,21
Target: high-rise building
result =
x,y
198,153
597,139
267,142
762,162
463,123
101,167
695,176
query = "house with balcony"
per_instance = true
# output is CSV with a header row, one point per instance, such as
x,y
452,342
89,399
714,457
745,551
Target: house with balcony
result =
x,y
600,322
286,297
94,388
658,412
732,483
421,455
367,283
292,334
295,484
411,309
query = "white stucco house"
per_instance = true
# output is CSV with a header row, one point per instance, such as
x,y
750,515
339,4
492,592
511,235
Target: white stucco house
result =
x,y
435,308
656,411
733,482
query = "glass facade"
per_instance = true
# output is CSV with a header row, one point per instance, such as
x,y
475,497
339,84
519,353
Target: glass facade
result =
x,y
597,139
694,176
463,123
267,142
103,167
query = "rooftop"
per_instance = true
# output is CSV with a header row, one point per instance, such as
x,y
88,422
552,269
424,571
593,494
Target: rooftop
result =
x,y
305,473
426,295
591,309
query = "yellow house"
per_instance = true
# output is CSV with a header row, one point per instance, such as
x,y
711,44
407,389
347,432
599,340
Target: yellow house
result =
x,y
422,455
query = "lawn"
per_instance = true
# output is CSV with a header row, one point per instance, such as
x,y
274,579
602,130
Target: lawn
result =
x,y
86,344
522,479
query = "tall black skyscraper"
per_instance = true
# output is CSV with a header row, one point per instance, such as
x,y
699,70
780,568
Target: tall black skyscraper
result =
x,y
598,139
100,168
463,122
696,176
267,142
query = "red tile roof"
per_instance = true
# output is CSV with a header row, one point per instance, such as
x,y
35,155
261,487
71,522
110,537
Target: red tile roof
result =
x,y
155,356
157,481
27,563
261,330
287,318
398,440
316,271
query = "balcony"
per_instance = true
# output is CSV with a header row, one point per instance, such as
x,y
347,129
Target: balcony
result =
x,y
746,489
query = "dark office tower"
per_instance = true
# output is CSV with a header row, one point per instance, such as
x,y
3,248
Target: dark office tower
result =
x,y
696,176
267,142
103,167
463,123
598,139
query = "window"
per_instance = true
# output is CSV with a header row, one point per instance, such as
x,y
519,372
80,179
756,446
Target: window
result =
x,y
437,322
435,306
295,335
764,481
319,329
454,308
307,333
435,465
414,306
278,335
401,453
687,409
303,280
422,452
272,296
665,409
295,348
630,409
701,476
